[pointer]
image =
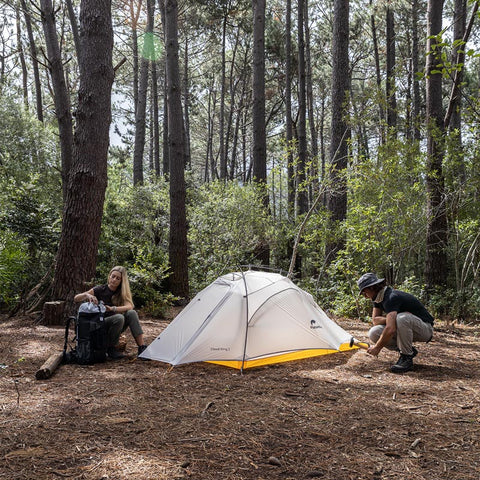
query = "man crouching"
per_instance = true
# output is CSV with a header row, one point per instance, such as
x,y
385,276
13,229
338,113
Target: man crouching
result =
x,y
406,321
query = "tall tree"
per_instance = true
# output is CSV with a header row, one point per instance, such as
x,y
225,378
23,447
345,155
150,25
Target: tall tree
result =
x,y
74,24
258,113
141,108
258,104
337,195
33,55
302,192
415,80
83,207
436,241
178,280
61,96
21,55
390,81
288,107
378,75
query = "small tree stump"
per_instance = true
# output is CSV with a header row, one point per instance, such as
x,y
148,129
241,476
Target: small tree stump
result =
x,y
53,313
49,367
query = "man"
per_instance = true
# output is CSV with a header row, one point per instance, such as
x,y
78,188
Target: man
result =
x,y
406,321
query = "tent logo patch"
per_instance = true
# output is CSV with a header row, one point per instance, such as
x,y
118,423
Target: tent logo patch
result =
x,y
314,325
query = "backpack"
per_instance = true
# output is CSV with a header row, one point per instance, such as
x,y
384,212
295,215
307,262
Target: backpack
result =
x,y
90,335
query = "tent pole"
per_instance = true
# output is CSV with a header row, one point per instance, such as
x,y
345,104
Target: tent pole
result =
x,y
246,323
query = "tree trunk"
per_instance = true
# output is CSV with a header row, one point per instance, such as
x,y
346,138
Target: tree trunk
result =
x,y
311,107
21,55
178,280
82,215
258,104
156,122
337,197
415,68
74,24
62,100
141,110
378,75
33,54
186,96
221,126
258,113
302,192
288,109
436,257
134,15
165,157
390,83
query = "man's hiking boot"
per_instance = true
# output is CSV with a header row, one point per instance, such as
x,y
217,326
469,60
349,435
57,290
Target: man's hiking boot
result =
x,y
114,354
404,363
141,349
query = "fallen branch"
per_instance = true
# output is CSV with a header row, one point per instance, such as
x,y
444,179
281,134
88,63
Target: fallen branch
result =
x,y
49,367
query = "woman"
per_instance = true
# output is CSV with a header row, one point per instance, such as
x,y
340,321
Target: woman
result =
x,y
119,315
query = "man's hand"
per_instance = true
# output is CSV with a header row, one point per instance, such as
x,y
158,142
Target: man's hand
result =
x,y
374,350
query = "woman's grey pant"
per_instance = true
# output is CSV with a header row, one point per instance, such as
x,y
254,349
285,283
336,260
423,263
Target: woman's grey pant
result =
x,y
410,329
118,323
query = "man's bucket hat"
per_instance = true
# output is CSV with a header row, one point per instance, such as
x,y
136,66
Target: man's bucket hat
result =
x,y
368,280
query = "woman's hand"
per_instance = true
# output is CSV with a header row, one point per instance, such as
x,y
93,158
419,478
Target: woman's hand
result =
x,y
113,309
91,298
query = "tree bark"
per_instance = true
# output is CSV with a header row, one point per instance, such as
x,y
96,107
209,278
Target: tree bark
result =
x,y
258,104
74,24
302,192
415,64
436,242
82,215
141,110
178,280
378,75
61,97
21,55
156,121
288,109
258,114
33,54
390,83
337,196
311,108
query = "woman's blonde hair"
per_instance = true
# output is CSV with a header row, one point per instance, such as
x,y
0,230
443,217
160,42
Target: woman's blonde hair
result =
x,y
125,294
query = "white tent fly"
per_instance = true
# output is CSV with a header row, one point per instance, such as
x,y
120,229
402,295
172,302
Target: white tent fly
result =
x,y
248,319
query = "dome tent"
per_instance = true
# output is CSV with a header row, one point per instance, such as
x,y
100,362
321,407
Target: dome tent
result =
x,y
249,319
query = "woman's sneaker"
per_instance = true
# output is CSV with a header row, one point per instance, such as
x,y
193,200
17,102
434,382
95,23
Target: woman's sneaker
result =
x,y
141,349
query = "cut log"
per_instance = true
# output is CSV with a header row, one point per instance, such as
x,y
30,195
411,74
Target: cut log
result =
x,y
49,367
53,313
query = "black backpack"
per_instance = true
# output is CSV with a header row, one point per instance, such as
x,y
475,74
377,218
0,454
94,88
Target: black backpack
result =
x,y
90,336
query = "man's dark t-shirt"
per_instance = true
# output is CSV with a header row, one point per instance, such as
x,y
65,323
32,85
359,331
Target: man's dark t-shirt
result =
x,y
104,294
398,301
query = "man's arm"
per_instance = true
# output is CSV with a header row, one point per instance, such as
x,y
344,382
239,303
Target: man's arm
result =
x,y
387,334
377,318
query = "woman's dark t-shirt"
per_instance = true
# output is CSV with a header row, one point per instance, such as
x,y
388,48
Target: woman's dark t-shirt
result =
x,y
104,294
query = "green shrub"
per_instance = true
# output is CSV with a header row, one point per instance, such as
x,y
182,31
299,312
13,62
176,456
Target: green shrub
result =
x,y
228,225
13,266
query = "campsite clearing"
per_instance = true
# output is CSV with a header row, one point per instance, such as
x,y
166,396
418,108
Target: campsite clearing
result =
x,y
340,416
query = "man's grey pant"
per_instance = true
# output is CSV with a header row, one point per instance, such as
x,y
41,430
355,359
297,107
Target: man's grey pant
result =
x,y
410,329
118,323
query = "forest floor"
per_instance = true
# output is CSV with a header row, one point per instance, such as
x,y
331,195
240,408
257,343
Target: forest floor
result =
x,y
340,416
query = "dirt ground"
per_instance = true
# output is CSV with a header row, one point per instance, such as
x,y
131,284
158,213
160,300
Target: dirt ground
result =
x,y
341,416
